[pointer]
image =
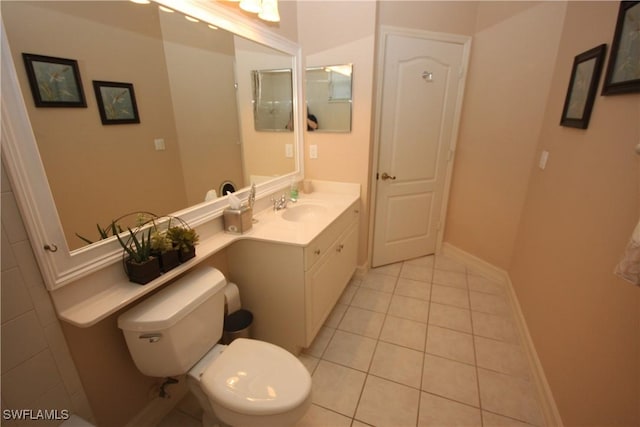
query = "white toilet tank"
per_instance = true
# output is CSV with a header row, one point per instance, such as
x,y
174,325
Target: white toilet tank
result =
x,y
171,330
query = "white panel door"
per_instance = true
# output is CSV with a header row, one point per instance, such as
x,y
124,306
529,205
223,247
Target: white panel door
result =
x,y
419,107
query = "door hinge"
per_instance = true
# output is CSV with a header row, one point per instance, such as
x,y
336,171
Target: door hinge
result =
x,y
377,176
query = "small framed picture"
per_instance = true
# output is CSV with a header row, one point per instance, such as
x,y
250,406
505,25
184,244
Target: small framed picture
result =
x,y
116,102
623,69
54,82
583,85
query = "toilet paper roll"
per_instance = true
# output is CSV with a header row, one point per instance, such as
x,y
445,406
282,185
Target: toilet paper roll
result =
x,y
232,297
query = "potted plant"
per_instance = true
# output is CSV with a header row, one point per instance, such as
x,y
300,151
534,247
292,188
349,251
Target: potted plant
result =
x,y
162,247
184,239
140,265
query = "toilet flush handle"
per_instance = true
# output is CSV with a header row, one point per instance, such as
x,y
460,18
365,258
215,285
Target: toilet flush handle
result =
x,y
151,337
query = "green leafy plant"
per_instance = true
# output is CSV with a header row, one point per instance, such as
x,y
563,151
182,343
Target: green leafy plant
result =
x,y
161,242
102,232
182,238
138,249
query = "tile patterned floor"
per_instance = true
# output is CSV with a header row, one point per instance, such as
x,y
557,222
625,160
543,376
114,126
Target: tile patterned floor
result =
x,y
425,342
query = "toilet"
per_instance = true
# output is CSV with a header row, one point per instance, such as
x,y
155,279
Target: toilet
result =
x,y
246,383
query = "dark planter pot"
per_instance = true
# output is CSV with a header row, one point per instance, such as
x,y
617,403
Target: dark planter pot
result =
x,y
169,260
186,255
143,273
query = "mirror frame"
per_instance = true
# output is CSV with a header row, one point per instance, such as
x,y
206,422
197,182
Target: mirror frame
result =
x,y
59,265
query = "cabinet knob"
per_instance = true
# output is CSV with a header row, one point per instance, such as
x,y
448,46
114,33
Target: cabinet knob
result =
x,y
317,252
340,248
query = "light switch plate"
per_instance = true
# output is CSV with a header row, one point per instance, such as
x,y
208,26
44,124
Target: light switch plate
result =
x,y
159,144
542,164
288,150
313,151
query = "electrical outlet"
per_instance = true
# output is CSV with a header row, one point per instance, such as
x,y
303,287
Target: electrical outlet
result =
x,y
313,151
288,150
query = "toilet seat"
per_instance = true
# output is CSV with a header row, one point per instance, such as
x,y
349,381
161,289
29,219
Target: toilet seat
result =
x,y
254,377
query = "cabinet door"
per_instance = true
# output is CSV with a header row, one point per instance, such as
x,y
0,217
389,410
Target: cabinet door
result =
x,y
326,280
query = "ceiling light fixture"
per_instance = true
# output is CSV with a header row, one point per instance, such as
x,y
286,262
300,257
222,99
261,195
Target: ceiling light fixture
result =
x,y
267,10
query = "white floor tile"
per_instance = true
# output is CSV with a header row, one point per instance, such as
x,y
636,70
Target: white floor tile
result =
x,y
385,403
409,308
404,332
450,317
453,380
363,322
436,411
413,288
354,351
502,357
399,364
337,387
450,344
509,396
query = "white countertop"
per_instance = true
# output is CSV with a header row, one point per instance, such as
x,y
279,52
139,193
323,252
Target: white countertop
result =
x,y
86,303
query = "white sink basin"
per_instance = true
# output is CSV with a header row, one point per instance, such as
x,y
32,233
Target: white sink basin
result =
x,y
302,213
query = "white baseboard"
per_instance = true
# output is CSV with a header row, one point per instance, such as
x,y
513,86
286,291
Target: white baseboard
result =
x,y
538,378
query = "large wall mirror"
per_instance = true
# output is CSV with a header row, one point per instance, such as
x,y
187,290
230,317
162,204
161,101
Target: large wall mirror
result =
x,y
193,86
328,93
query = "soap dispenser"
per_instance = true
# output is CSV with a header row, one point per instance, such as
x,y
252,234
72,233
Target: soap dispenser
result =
x,y
293,190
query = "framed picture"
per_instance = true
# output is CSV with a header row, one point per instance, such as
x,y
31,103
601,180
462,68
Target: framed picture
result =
x,y
623,70
116,102
54,82
585,76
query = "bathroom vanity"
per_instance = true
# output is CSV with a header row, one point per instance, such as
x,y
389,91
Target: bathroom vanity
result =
x,y
292,279
291,267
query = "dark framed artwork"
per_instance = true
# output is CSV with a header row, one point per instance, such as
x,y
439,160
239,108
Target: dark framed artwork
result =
x,y
116,102
54,82
623,70
583,85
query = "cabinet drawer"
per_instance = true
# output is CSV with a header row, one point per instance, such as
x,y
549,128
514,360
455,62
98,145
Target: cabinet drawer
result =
x,y
320,245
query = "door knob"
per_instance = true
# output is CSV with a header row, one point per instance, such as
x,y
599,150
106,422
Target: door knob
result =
x,y
385,176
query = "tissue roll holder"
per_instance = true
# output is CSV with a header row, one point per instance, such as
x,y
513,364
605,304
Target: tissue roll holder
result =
x,y
238,221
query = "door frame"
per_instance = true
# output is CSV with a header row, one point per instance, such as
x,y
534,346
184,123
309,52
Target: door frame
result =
x,y
384,31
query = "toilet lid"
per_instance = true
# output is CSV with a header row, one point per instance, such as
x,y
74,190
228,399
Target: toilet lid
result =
x,y
255,377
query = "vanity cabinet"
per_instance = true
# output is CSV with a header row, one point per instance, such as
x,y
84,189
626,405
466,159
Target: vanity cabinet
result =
x,y
326,279
292,289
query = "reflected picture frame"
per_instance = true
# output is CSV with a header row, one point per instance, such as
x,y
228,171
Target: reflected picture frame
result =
x,y
623,69
54,82
116,102
583,85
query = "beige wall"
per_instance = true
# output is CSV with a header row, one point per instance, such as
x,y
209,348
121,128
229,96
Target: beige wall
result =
x,y
79,153
510,72
201,61
343,156
577,218
573,219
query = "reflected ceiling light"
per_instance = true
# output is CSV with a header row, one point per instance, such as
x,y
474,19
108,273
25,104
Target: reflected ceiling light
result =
x,y
269,11
213,27
345,70
141,1
252,6
189,18
165,9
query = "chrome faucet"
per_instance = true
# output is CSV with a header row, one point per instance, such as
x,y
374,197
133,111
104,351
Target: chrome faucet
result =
x,y
252,196
280,203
